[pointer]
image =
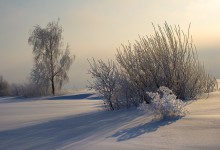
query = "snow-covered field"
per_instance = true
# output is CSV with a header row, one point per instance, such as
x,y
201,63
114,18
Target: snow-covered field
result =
x,y
78,122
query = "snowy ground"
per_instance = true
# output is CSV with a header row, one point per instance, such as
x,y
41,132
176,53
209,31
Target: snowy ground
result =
x,y
77,122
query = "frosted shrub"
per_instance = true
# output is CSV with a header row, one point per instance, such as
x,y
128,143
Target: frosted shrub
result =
x,y
166,58
105,81
164,104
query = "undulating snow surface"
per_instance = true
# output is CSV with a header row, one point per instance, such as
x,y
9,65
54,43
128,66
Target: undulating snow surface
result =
x,y
78,122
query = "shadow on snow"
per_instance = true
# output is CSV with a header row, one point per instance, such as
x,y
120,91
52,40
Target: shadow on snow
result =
x,y
88,96
72,97
70,130
136,131
75,129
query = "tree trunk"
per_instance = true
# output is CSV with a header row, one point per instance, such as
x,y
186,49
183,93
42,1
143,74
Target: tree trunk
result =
x,y
110,103
53,87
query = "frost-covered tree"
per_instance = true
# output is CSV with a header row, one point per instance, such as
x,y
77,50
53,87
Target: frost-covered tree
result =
x,y
105,77
113,85
51,61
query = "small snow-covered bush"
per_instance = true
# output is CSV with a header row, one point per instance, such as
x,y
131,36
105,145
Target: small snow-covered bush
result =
x,y
164,104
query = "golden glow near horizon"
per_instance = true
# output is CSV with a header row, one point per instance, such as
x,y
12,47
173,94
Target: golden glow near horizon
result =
x,y
95,28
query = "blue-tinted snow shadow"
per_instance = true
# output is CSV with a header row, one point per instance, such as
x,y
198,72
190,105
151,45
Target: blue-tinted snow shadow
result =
x,y
19,99
73,129
90,96
71,97
141,129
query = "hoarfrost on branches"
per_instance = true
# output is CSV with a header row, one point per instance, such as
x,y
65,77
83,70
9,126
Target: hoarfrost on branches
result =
x,y
164,104
51,60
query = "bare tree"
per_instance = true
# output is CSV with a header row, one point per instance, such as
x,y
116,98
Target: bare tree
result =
x,y
51,61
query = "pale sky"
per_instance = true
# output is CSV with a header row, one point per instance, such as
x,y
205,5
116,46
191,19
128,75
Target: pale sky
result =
x,y
95,28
